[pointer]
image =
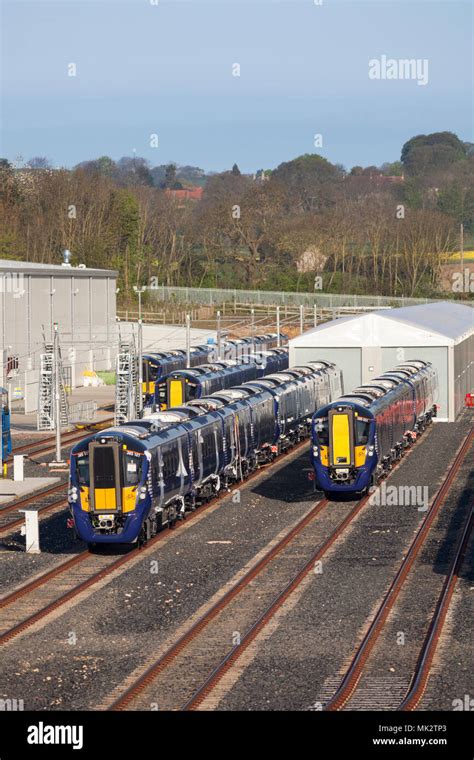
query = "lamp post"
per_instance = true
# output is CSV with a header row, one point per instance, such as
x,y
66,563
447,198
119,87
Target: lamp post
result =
x,y
139,292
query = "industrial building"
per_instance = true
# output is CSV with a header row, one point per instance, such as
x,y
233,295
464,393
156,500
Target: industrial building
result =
x,y
33,296
366,345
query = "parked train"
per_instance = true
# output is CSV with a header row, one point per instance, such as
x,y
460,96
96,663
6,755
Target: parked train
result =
x,y
6,430
156,365
187,384
127,482
357,438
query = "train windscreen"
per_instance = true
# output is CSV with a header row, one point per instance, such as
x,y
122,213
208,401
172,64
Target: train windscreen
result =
x,y
104,467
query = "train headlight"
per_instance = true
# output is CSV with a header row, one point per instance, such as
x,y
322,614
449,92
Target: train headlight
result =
x,y
315,451
143,489
143,496
370,451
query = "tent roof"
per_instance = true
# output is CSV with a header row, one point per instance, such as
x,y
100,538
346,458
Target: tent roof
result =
x,y
442,323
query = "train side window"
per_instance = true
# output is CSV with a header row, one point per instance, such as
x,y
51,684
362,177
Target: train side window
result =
x,y
322,429
82,470
362,432
133,470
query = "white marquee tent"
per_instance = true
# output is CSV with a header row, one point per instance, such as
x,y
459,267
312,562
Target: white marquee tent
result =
x,y
366,345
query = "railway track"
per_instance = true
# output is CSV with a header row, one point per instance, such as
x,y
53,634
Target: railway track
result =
x,y
422,671
43,447
84,570
195,650
49,444
8,525
36,599
353,674
191,650
195,663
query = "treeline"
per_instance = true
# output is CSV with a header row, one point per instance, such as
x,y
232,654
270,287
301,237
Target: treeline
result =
x,y
385,230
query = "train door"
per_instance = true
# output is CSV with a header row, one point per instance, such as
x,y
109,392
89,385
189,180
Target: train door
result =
x,y
171,469
183,468
105,477
198,455
230,439
341,438
218,446
175,391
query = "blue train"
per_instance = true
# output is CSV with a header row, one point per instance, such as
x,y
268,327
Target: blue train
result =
x,y
127,482
6,429
357,438
156,365
187,384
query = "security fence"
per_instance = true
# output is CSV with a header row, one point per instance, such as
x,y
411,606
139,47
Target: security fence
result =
x,y
221,296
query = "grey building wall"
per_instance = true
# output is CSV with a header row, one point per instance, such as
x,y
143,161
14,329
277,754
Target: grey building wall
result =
x,y
357,362
81,301
463,371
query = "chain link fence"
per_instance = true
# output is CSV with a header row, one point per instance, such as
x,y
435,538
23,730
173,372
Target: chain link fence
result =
x,y
218,297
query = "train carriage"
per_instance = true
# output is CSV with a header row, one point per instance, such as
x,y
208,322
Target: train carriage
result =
x,y
183,385
129,481
358,437
156,365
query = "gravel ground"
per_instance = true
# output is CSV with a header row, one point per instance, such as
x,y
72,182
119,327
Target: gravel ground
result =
x,y
115,626
297,667
451,683
88,649
395,655
56,540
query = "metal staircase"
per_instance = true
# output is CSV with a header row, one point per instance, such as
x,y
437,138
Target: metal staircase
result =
x,y
126,384
46,405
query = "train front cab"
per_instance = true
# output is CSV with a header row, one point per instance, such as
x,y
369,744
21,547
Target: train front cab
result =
x,y
108,494
343,451
171,391
6,431
151,372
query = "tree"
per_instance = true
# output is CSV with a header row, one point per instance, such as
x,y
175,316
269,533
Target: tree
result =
x,y
39,162
310,181
235,170
171,181
427,153
133,171
393,169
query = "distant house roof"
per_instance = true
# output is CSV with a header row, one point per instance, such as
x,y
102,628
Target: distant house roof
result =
x,y
187,194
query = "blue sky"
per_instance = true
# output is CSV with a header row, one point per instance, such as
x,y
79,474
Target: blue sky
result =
x,y
166,69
